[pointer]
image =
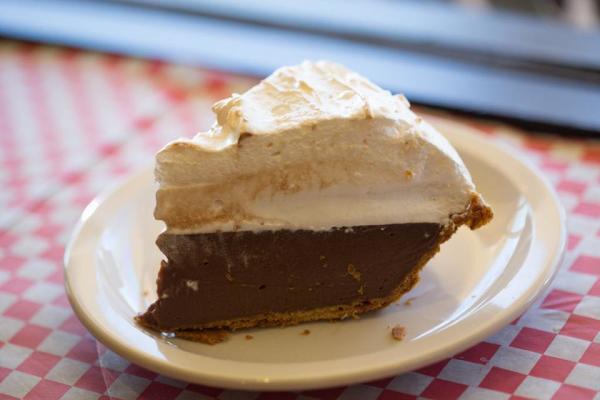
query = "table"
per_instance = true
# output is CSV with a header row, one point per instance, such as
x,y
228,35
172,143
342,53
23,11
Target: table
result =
x,y
74,122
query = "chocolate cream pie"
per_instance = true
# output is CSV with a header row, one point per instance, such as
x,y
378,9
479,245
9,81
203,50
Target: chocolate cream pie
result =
x,y
316,195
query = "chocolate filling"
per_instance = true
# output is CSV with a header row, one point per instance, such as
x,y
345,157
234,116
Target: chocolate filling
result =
x,y
229,275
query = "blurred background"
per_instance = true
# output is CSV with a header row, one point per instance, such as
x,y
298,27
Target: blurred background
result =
x,y
535,63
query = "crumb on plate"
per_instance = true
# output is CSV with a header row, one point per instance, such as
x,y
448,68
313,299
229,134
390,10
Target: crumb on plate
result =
x,y
398,332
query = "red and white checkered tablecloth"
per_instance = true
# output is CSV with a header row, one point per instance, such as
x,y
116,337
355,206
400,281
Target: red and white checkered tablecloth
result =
x,y
72,122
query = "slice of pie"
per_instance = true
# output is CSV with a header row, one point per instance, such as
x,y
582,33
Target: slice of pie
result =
x,y
316,195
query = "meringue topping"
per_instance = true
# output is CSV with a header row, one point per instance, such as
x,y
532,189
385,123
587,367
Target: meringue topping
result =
x,y
312,146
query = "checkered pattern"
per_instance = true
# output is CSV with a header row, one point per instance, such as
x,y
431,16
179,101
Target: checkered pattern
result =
x,y
71,122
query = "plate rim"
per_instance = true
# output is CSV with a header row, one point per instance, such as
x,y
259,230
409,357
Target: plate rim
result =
x,y
333,377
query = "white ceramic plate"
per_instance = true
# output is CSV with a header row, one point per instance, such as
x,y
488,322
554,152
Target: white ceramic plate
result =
x,y
478,283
